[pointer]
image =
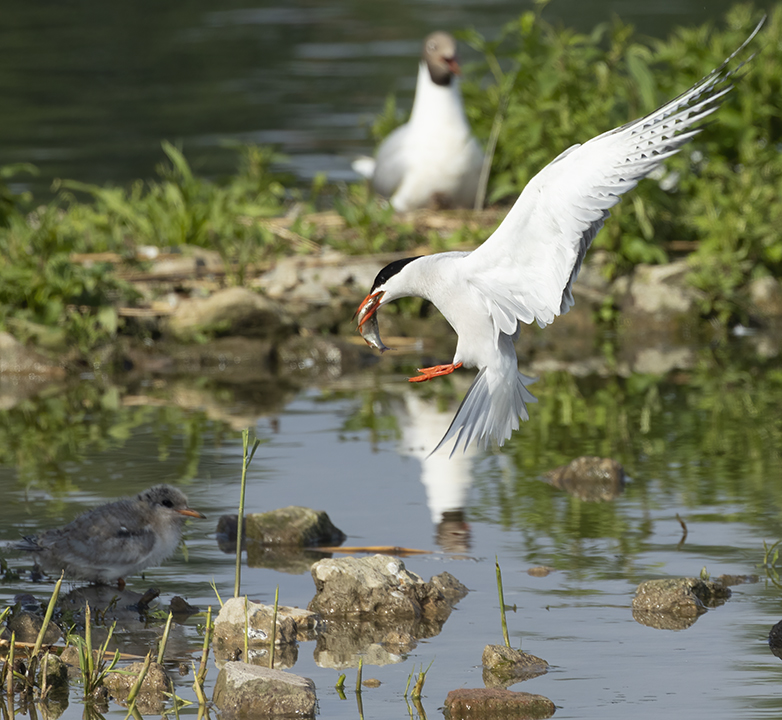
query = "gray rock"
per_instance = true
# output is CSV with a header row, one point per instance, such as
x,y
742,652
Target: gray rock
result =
x,y
765,294
249,691
56,672
495,703
233,311
589,478
662,290
379,587
503,666
450,587
292,624
298,526
675,603
152,695
27,625
17,359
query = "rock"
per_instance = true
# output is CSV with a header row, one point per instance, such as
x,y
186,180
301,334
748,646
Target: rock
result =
x,y
17,359
765,294
153,693
450,587
662,290
292,623
379,587
491,703
27,625
775,639
540,570
233,311
675,603
70,656
298,526
227,526
376,609
56,673
248,691
179,606
504,666
589,478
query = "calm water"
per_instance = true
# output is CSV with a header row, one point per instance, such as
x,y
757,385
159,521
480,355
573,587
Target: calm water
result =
x,y
702,444
89,90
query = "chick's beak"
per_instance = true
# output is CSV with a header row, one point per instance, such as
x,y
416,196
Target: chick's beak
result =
x,y
453,65
192,513
368,307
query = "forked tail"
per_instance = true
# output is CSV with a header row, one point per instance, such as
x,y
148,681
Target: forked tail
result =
x,y
491,409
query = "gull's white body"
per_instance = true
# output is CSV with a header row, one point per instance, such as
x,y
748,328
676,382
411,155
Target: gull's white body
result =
x,y
433,159
525,270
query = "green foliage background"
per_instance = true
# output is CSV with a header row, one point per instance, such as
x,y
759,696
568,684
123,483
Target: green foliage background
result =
x,y
564,88
557,87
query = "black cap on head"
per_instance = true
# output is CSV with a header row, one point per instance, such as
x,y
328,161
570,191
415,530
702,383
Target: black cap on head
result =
x,y
390,270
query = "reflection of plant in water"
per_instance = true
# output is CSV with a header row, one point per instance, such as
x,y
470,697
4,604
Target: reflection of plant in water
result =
x,y
769,564
710,437
39,436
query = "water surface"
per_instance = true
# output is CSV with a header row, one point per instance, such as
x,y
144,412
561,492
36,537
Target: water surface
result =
x,y
702,445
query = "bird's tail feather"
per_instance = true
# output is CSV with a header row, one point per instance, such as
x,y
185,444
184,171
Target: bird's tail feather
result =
x,y
491,409
29,543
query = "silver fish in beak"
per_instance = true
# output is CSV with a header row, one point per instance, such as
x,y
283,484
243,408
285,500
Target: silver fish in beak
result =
x,y
367,321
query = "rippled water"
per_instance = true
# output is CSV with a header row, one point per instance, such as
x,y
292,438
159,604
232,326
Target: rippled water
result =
x,y
703,445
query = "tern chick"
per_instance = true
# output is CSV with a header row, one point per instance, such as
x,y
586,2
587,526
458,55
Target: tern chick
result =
x,y
112,541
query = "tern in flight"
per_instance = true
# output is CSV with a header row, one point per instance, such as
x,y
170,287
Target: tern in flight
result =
x,y
525,270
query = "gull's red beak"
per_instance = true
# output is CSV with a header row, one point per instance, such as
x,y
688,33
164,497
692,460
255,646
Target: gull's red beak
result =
x,y
192,513
368,307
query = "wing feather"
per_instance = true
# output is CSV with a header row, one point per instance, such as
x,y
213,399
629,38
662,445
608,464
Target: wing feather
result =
x,y
526,269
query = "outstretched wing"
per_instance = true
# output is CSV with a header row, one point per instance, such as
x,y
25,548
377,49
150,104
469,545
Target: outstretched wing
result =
x,y
526,269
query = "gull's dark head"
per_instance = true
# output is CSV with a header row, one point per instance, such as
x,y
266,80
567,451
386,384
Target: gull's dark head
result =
x,y
389,285
439,54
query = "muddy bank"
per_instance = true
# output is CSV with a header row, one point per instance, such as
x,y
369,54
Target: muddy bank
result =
x,y
295,320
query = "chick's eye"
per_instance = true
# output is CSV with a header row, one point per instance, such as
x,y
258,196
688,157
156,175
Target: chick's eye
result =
x,y
168,503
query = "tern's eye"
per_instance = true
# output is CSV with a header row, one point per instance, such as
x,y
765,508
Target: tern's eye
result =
x,y
168,503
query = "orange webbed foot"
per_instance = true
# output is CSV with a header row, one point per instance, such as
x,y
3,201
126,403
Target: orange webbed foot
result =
x,y
433,372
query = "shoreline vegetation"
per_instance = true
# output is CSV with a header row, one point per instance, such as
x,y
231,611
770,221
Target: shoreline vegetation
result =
x,y
101,263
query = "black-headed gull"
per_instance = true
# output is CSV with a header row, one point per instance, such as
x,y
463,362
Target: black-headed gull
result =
x,y
433,160
525,270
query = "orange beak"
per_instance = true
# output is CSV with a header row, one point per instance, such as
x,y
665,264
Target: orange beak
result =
x,y
453,66
192,513
368,307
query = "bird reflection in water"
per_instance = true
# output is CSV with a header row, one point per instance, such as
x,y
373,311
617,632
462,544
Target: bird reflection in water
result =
x,y
447,480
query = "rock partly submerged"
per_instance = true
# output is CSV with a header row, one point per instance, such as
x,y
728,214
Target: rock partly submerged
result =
x,y
676,603
154,690
496,703
250,691
503,666
376,609
292,624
